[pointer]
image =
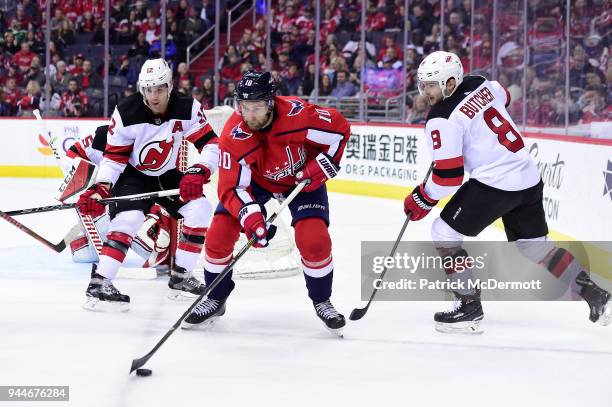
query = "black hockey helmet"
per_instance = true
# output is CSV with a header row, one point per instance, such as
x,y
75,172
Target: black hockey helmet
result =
x,y
256,86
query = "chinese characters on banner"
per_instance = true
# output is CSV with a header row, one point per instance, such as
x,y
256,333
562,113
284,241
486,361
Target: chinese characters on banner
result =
x,y
392,155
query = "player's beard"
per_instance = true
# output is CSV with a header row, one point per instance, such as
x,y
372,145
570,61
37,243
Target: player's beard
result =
x,y
258,124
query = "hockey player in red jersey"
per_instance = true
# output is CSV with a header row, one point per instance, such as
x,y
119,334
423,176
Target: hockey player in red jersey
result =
x,y
152,241
141,153
469,129
267,146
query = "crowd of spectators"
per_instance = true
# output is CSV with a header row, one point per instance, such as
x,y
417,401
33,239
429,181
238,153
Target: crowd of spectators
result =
x,y
135,30
76,78
293,40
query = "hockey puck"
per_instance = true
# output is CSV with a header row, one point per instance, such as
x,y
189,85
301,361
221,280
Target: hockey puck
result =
x,y
144,372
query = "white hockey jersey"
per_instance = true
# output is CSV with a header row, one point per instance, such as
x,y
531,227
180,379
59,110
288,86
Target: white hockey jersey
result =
x,y
472,131
151,143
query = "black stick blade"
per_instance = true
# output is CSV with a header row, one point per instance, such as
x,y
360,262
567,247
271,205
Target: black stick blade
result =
x,y
138,363
358,313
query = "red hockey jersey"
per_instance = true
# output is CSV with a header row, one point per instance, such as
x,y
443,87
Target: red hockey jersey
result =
x,y
299,132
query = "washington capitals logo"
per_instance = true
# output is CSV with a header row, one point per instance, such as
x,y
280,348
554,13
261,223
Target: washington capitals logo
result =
x,y
608,180
296,107
239,134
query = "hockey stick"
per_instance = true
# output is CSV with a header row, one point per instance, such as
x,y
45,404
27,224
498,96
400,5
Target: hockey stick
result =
x,y
359,313
58,207
140,362
59,247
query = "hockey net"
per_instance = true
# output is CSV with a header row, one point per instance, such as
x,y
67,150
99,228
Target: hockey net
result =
x,y
280,258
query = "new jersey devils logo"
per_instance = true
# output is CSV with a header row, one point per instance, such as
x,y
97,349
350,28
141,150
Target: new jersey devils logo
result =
x,y
240,134
155,155
296,107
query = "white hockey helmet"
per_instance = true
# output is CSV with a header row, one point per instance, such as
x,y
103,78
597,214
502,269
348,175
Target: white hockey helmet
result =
x,y
439,67
154,72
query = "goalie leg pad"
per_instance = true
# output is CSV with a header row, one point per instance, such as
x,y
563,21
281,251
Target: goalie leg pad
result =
x,y
82,251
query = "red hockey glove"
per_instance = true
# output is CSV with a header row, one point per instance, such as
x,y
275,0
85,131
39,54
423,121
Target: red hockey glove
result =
x,y
88,201
418,204
254,224
192,184
318,171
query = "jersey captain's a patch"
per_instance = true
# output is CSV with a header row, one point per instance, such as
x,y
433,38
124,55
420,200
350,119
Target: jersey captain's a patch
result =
x,y
239,134
296,107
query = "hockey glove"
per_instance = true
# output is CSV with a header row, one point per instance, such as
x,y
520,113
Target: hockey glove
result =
x,y
88,201
254,224
418,204
318,171
192,184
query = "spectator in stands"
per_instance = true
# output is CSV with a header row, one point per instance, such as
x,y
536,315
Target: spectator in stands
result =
x,y
309,78
129,90
325,87
207,14
88,24
232,70
35,73
421,17
61,77
579,67
419,111
29,100
229,94
192,26
594,105
20,21
10,42
24,57
11,92
140,47
293,80
75,102
151,30
3,26
88,78
66,35
77,67
184,87
344,87
6,109
208,93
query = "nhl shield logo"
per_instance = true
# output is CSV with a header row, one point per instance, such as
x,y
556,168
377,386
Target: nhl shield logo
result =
x,y
239,134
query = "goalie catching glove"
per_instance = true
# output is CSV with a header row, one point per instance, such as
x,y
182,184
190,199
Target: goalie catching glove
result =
x,y
88,203
318,171
254,224
192,183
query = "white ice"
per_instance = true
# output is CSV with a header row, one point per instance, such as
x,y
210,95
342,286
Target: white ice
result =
x,y
270,349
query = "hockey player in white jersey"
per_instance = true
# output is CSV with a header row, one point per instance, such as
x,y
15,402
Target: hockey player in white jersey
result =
x,y
152,242
469,129
141,154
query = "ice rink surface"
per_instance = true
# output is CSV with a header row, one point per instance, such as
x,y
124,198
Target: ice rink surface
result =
x,y
270,349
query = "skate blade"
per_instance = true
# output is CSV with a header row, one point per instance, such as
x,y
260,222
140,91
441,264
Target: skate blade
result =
x,y
606,316
180,295
203,326
94,304
339,331
467,327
